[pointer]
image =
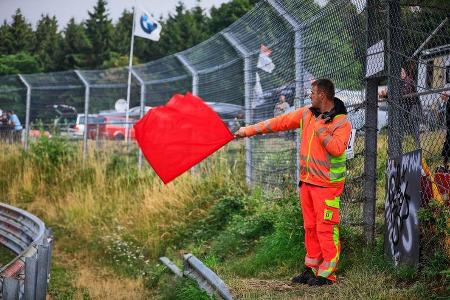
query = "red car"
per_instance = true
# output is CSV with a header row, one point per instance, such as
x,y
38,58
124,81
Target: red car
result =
x,y
111,128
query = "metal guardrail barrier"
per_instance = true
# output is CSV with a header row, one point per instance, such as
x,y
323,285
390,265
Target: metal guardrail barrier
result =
x,y
27,275
204,276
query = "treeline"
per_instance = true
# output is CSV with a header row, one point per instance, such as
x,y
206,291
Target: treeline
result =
x,y
97,43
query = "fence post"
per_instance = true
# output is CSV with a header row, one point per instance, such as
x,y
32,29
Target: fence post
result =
x,y
30,278
142,108
245,54
370,141
299,69
86,111
191,70
27,112
393,69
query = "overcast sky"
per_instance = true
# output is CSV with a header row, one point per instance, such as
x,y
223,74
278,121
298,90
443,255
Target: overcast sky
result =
x,y
64,10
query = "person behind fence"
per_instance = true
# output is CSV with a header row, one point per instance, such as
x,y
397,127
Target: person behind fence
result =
x,y
410,108
15,122
281,107
325,133
446,147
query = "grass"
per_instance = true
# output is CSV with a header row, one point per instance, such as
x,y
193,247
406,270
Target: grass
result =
x,y
112,222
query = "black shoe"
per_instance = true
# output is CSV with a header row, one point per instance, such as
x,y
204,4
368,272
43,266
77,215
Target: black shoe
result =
x,y
304,277
319,280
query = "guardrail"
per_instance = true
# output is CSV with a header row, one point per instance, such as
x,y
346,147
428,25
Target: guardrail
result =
x,y
204,276
27,275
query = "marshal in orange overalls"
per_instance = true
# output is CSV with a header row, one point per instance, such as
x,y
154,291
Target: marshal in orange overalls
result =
x,y
322,176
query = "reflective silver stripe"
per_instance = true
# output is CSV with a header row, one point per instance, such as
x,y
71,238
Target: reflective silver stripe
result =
x,y
326,140
339,164
337,175
321,130
258,129
312,261
322,163
340,123
318,172
267,126
327,264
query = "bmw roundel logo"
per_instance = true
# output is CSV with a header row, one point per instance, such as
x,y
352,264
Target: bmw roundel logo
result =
x,y
147,25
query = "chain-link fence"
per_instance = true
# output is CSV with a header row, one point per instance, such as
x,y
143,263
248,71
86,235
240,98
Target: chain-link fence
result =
x,y
262,66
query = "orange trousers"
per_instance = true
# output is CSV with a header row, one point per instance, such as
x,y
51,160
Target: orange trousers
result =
x,y
320,209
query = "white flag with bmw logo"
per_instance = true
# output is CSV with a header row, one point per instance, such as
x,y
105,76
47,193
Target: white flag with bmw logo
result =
x,y
145,26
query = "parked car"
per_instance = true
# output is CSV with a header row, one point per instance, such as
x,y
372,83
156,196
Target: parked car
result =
x,y
77,130
111,128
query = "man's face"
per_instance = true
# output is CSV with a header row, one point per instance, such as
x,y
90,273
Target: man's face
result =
x,y
316,97
282,98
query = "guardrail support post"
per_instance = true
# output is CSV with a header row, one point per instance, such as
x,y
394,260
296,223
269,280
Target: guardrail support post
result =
x,y
10,288
30,278
42,271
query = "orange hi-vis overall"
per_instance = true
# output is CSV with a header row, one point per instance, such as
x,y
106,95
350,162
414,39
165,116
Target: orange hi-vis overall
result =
x,y
322,174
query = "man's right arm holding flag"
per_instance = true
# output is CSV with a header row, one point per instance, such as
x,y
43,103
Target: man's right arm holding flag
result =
x,y
281,123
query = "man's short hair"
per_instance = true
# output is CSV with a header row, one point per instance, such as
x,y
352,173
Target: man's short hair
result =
x,y
326,86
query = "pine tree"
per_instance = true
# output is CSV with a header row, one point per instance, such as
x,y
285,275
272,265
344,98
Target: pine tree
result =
x,y
47,43
21,34
122,33
76,46
5,39
99,31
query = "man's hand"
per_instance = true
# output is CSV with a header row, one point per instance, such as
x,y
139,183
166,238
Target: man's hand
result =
x,y
240,133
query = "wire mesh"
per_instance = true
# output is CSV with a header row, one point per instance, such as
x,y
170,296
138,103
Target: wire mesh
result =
x,y
272,75
420,83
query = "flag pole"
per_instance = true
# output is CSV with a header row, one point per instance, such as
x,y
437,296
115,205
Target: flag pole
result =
x,y
130,65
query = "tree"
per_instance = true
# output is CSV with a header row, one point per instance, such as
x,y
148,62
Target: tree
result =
x,y
228,13
185,29
122,33
76,47
21,36
99,31
5,38
21,62
47,43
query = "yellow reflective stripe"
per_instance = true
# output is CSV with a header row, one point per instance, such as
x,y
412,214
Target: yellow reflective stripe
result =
x,y
326,140
333,202
328,267
339,123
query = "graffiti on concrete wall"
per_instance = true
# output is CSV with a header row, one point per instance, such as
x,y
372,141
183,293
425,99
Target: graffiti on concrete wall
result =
x,y
401,236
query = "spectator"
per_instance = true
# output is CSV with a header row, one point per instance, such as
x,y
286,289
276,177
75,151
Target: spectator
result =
x,y
409,108
15,122
446,148
281,107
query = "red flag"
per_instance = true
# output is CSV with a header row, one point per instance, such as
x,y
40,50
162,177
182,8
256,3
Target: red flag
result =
x,y
180,134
